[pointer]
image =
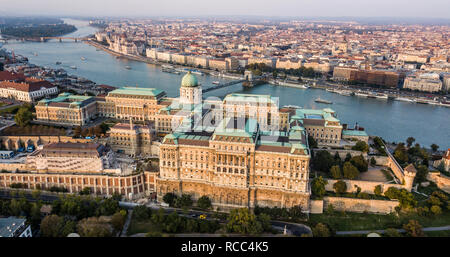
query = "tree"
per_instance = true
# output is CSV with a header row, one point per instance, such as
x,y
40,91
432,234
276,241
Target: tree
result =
x,y
312,142
373,162
340,187
23,117
350,171
434,147
436,209
392,232
36,194
322,161
360,163
413,229
337,159
336,172
321,230
204,202
69,227
142,212
318,186
118,220
52,225
361,146
184,201
93,227
400,154
85,191
170,198
410,141
378,191
243,222
348,157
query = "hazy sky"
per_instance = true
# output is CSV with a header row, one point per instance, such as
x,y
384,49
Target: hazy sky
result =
x,y
298,8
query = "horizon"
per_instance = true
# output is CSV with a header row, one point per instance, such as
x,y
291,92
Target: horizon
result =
x,y
283,9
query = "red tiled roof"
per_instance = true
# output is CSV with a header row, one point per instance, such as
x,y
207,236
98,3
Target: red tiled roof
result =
x,y
26,87
11,76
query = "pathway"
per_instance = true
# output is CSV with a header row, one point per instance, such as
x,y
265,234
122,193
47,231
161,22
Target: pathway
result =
x,y
127,223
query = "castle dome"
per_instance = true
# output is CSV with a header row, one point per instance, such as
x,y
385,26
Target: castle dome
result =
x,y
189,80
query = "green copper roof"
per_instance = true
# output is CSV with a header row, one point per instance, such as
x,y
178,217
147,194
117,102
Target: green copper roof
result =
x,y
138,91
360,133
189,80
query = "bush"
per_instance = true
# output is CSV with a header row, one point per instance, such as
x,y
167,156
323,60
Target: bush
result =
x,y
170,198
436,210
378,191
392,232
361,146
142,212
340,187
360,163
321,230
413,229
204,202
336,172
318,186
350,171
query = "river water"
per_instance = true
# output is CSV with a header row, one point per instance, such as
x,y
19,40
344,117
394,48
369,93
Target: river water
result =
x,y
392,120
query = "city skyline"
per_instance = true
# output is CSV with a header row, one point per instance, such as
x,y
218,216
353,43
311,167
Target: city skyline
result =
x,y
435,9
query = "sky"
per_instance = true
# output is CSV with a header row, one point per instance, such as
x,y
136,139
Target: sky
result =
x,y
183,8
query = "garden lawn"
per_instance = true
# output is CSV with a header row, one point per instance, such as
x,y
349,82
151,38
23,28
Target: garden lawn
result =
x,y
340,221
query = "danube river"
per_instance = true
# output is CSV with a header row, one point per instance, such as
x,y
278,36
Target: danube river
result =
x,y
392,120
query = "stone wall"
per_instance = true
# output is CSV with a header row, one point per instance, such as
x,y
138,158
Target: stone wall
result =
x,y
442,181
316,206
13,166
360,205
366,186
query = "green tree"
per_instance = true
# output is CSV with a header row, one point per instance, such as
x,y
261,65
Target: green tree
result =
x,y
69,227
312,142
23,117
204,202
321,230
36,194
410,141
413,229
118,220
400,154
184,201
336,172
434,147
360,163
373,162
436,209
318,186
322,161
350,171
243,222
378,191
142,212
170,198
361,146
340,187
51,226
93,227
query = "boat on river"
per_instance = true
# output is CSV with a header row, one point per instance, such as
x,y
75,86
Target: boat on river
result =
x,y
322,101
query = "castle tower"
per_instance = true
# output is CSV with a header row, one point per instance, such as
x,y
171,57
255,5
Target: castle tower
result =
x,y
410,174
190,90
